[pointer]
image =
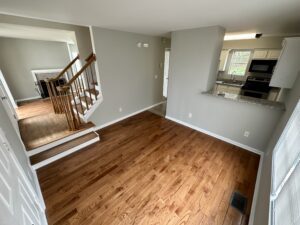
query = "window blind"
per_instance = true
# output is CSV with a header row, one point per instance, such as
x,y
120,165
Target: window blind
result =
x,y
285,196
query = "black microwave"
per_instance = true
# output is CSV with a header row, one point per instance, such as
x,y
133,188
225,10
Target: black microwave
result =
x,y
262,66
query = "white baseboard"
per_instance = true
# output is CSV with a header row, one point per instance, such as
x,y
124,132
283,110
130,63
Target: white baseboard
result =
x,y
65,153
58,142
249,148
127,116
28,99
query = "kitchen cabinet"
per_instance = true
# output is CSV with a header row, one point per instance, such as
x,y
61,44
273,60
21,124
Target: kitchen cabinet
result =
x,y
273,54
288,66
266,54
260,54
223,60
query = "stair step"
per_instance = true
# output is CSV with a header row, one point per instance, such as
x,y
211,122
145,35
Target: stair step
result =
x,y
70,135
93,92
86,100
60,151
80,109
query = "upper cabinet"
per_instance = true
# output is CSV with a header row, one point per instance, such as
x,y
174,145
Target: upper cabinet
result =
x,y
288,65
260,54
223,60
266,54
273,54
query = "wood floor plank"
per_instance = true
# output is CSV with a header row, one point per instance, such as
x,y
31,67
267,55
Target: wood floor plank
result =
x,y
39,125
149,170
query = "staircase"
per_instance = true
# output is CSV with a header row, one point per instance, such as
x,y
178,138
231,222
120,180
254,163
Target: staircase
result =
x,y
76,95
79,95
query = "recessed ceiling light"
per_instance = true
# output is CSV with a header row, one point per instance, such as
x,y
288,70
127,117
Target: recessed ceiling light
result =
x,y
230,37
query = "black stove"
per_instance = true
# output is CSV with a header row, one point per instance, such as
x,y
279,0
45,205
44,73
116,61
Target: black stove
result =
x,y
257,87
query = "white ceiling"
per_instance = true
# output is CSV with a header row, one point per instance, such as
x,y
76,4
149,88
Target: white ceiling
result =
x,y
36,33
157,17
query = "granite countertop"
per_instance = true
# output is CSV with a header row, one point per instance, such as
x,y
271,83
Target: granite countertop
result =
x,y
246,99
230,83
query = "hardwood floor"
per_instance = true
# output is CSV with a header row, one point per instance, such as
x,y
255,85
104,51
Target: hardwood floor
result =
x,y
149,170
40,125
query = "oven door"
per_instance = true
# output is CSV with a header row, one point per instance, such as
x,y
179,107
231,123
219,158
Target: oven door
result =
x,y
262,66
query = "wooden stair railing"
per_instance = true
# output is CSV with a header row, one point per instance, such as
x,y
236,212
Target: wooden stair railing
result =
x,y
78,94
59,80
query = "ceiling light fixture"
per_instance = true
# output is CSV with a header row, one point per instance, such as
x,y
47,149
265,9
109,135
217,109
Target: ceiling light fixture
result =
x,y
230,37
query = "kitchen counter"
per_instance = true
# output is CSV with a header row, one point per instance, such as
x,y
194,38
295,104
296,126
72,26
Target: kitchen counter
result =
x,y
246,99
230,83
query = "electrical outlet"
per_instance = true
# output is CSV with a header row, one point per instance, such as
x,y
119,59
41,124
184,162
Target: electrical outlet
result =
x,y
246,133
190,115
120,109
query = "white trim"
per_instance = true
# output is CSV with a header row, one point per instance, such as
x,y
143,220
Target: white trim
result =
x,y
127,116
27,99
93,107
7,90
247,147
39,190
58,142
65,153
94,50
256,190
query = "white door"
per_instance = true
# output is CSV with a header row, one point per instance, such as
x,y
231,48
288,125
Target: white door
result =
x,y
8,106
166,72
18,201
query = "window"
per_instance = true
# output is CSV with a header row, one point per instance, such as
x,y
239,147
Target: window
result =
x,y
285,196
239,63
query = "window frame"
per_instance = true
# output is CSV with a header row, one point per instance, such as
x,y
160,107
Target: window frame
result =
x,y
231,53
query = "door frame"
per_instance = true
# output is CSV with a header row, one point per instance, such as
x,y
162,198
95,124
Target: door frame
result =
x,y
7,90
166,79
9,108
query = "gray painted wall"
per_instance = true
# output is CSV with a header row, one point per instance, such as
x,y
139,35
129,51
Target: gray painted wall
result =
x,y
127,73
262,207
82,33
19,56
193,68
15,142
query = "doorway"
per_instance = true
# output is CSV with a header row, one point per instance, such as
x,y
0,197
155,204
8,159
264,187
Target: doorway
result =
x,y
166,72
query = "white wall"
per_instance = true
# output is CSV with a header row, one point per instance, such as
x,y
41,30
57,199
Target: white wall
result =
x,y
193,68
127,73
19,56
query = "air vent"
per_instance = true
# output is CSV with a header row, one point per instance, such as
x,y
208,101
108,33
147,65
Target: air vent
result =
x,y
239,202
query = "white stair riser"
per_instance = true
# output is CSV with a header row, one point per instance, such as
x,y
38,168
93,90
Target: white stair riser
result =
x,y
65,153
58,142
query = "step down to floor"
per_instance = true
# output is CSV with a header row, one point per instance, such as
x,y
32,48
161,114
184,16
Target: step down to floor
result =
x,y
46,157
